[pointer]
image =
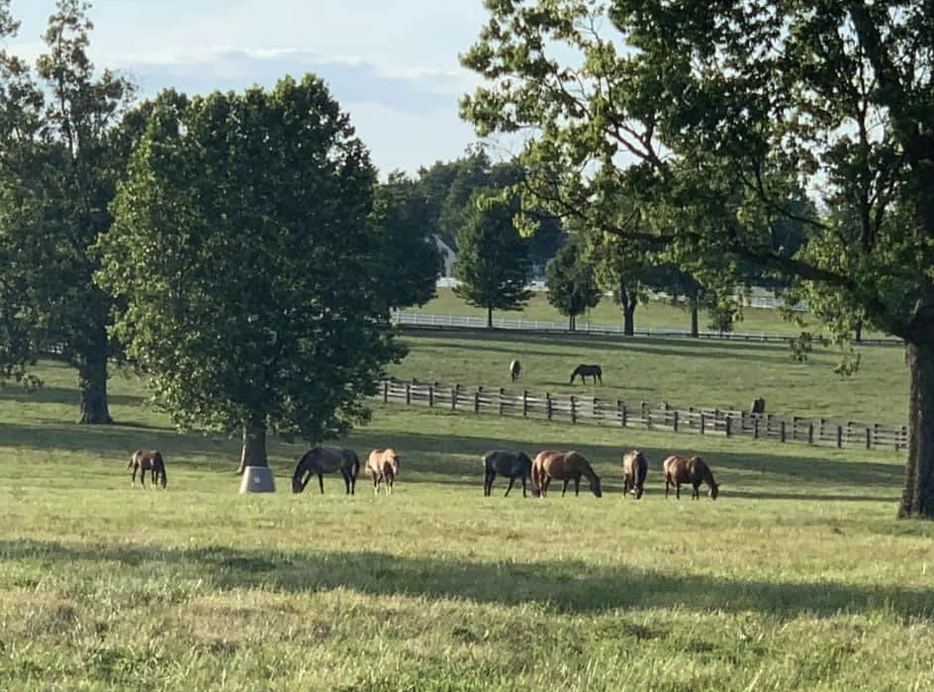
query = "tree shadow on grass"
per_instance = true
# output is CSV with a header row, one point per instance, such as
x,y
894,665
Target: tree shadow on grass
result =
x,y
557,586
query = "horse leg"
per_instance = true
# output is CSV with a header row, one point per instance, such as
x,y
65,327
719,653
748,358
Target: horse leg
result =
x,y
390,484
523,487
321,482
512,479
375,484
564,487
678,490
577,485
546,481
133,478
667,485
696,494
488,483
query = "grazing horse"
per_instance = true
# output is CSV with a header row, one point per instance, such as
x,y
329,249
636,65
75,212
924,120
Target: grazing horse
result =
x,y
148,460
635,467
695,471
321,460
383,467
563,466
758,405
507,464
515,367
587,371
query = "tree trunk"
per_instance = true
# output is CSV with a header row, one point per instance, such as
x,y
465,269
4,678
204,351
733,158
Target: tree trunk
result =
x,y
858,332
489,318
254,446
629,312
572,323
92,381
695,332
918,493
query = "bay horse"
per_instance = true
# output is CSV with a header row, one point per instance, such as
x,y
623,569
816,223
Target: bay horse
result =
x,y
563,466
587,371
635,468
383,467
515,367
148,460
693,470
515,466
321,460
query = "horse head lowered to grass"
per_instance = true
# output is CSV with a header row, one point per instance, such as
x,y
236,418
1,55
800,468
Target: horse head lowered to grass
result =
x,y
562,466
320,460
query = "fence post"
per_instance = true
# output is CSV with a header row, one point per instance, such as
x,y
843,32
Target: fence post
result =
x,y
408,393
839,436
811,433
621,407
782,432
525,403
702,422
548,405
573,409
868,438
455,390
597,410
755,428
385,392
674,421
646,418
729,425
431,395
501,392
476,400
820,434
794,428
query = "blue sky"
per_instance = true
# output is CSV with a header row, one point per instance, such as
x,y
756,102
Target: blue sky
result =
x,y
392,64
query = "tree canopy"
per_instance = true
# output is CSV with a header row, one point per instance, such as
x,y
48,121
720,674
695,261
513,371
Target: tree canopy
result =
x,y
570,281
707,116
245,252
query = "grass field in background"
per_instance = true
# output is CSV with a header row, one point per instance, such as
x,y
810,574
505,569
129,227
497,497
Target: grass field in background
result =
x,y
686,372
656,314
797,578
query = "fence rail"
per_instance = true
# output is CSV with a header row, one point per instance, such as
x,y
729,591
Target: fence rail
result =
x,y
421,320
625,414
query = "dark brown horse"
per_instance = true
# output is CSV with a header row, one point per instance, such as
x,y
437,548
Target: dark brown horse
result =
x,y
148,460
507,464
515,367
692,470
321,460
383,467
587,371
563,466
635,468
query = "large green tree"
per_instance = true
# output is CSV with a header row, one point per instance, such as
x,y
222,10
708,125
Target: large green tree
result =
x,y
245,251
572,287
492,259
709,115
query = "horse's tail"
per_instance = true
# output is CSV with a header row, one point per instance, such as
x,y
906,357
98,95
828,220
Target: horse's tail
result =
x,y
356,464
536,480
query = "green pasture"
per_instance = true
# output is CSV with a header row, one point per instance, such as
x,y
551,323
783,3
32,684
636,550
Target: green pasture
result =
x,y
655,314
797,578
681,371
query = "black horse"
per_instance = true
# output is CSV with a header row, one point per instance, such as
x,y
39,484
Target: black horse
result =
x,y
587,371
508,464
320,460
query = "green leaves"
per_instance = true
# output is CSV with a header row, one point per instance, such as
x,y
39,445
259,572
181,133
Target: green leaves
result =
x,y
244,249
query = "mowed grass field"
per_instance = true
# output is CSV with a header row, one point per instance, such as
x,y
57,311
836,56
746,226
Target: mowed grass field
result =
x,y
687,372
656,314
797,578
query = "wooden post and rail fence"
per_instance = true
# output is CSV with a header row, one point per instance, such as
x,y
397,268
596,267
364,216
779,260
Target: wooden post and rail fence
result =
x,y
660,417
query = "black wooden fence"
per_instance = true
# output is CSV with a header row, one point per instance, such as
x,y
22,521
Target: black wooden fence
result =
x,y
628,414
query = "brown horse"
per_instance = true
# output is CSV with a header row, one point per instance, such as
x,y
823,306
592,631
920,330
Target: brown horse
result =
x,y
635,468
321,460
563,466
515,367
587,371
148,460
383,467
694,470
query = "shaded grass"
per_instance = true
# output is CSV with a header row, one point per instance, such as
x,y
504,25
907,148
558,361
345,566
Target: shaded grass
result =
x,y
798,577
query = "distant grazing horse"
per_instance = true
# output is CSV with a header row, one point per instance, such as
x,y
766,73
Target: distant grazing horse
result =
x,y
758,405
695,471
635,467
321,460
383,467
506,464
148,460
587,371
563,466
515,367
